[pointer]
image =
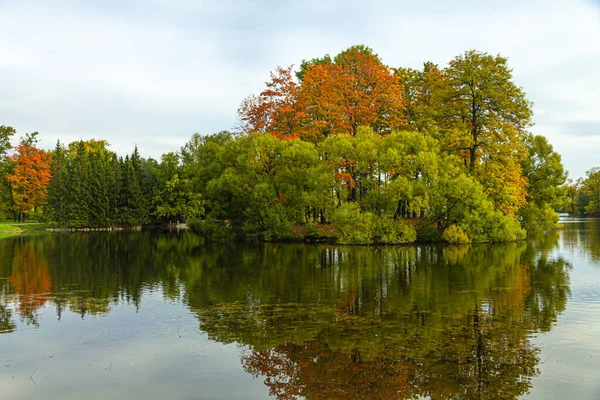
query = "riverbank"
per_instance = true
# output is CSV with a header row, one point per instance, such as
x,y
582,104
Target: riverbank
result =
x,y
9,229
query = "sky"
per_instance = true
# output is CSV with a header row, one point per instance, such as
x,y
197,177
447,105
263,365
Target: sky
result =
x,y
153,72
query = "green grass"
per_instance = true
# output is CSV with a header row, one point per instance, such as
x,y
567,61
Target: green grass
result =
x,y
8,228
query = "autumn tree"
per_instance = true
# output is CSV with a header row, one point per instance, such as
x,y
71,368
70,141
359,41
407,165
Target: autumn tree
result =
x,y
28,179
491,111
351,90
276,110
333,96
422,93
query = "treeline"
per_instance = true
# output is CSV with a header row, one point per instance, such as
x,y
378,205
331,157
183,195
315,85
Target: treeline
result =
x,y
386,155
85,184
92,187
346,147
582,198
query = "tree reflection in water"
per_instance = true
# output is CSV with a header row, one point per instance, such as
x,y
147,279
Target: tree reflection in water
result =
x,y
319,321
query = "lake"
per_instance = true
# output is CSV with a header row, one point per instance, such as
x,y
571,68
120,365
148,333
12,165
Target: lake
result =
x,y
154,316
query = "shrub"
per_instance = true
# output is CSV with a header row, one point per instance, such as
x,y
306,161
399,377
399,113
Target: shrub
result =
x,y
489,225
390,231
536,220
314,233
211,229
429,235
455,234
277,225
352,225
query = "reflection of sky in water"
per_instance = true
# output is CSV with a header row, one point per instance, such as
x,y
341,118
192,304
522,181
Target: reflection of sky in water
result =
x,y
282,298
155,353
570,356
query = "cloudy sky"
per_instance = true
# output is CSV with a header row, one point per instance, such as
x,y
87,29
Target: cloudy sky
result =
x,y
153,72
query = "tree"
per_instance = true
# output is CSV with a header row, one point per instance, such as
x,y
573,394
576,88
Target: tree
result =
x,y
591,188
276,110
6,133
28,179
333,96
484,103
352,90
545,176
174,199
422,91
572,194
55,209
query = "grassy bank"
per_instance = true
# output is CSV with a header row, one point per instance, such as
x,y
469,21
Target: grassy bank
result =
x,y
8,229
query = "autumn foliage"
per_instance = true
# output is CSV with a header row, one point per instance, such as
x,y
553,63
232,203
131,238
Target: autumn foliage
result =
x,y
446,145
344,138
334,96
28,178
30,279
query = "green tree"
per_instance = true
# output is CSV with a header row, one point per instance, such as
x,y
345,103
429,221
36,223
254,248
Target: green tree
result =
x,y
484,103
591,188
175,200
55,209
6,133
545,177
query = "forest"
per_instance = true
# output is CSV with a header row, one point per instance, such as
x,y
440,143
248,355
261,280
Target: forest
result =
x,y
342,148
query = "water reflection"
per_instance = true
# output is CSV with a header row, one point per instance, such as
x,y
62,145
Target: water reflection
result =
x,y
318,322
583,235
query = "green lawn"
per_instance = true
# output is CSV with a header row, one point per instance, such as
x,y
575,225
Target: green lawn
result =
x,y
8,228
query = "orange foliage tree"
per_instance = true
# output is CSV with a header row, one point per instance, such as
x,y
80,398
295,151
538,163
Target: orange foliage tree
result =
x,y
29,178
30,280
332,96
354,89
276,109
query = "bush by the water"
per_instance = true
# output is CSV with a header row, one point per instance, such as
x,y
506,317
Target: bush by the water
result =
x,y
352,226
211,229
455,234
391,231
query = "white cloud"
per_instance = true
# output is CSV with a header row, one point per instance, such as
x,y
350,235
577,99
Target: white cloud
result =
x,y
141,71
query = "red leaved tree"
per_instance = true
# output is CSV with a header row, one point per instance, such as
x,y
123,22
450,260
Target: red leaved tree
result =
x,y
28,178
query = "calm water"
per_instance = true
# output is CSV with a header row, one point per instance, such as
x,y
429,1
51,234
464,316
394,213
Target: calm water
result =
x,y
140,316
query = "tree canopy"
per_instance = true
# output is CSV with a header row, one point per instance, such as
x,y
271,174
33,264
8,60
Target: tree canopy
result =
x,y
344,146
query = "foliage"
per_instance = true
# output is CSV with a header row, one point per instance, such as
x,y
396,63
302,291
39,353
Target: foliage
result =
x,y
28,179
429,234
211,229
91,187
455,234
490,225
538,219
591,188
352,226
391,231
545,191
382,153
334,96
